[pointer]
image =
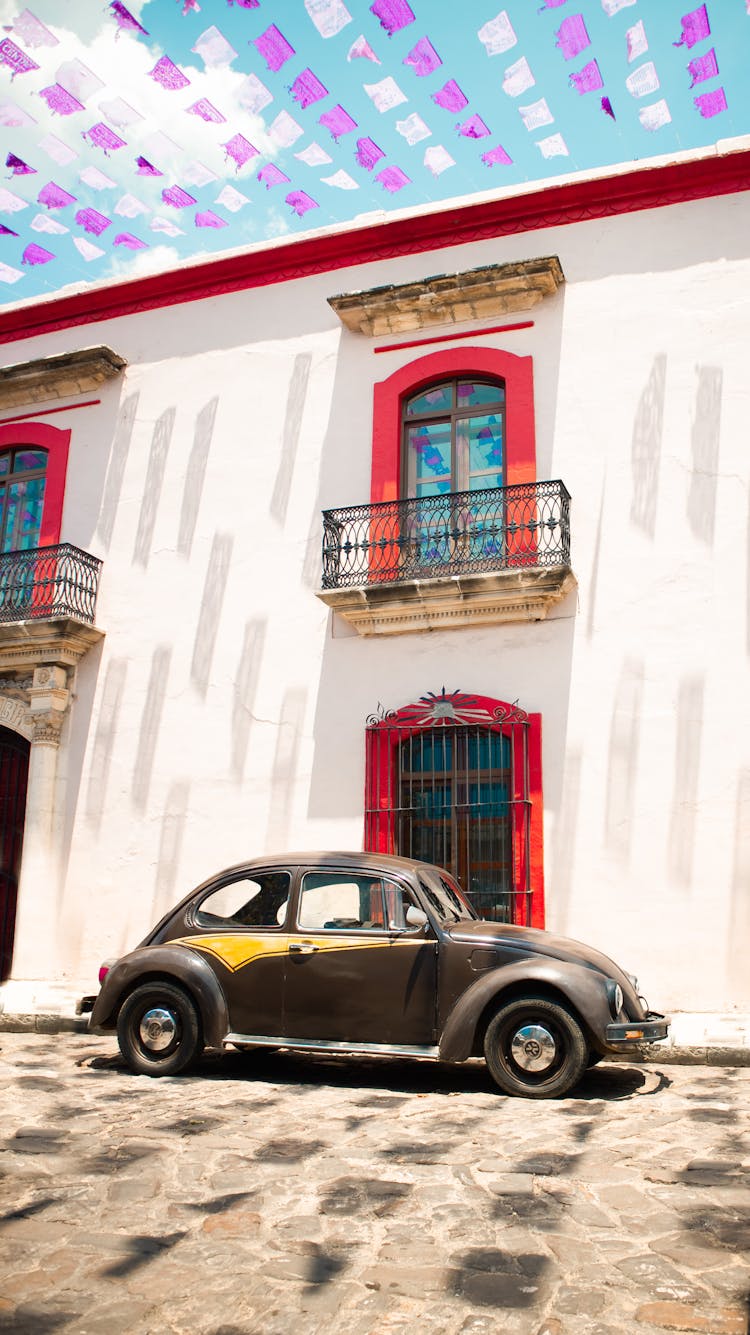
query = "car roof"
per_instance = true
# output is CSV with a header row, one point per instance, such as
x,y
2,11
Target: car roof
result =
x,y
324,858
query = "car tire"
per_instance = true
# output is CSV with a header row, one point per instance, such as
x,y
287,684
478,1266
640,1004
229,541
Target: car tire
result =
x,y
159,1029
535,1048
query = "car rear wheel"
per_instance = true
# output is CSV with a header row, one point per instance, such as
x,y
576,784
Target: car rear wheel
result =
x,y
159,1029
536,1048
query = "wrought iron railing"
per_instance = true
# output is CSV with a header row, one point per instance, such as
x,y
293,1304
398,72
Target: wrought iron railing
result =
x,y
48,582
457,533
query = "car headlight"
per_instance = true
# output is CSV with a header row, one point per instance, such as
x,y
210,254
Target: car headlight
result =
x,y
614,994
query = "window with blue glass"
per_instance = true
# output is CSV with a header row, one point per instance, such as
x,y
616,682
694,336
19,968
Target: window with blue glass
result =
x,y
22,482
454,435
454,465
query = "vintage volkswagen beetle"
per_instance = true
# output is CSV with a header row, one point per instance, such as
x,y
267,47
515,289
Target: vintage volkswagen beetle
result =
x,y
363,953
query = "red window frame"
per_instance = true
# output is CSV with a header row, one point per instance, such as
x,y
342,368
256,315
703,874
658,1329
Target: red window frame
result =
x,y
516,372
382,741
56,443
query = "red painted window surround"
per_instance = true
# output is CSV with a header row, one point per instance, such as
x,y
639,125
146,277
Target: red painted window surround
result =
x,y
43,437
381,767
517,372
549,206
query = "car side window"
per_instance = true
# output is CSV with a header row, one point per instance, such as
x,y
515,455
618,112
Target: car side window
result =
x,y
343,901
259,900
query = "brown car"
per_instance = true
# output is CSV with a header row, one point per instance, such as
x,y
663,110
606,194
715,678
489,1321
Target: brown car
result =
x,y
363,953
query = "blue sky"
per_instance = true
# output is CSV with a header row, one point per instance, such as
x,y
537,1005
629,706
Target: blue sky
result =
x,y
138,135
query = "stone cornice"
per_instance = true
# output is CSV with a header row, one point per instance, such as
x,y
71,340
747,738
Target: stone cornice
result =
x,y
59,376
61,641
441,604
476,294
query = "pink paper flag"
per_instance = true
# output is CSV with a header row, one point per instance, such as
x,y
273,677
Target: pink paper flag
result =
x,y
210,219
54,197
240,149
393,15
473,128
588,79
129,241
18,166
16,59
307,89
7,231
423,58
496,156
146,168
92,221
35,254
392,179
273,47
270,175
177,197
607,108
301,202
710,104
703,67
368,154
338,122
60,100
125,19
168,74
207,112
572,37
450,97
102,137
695,27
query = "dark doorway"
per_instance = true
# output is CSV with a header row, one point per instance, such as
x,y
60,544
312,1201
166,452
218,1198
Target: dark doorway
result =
x,y
14,771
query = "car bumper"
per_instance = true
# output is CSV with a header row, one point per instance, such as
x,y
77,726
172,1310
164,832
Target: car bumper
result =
x,y
649,1030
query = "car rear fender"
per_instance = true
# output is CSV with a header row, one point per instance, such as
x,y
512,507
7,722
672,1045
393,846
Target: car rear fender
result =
x,y
582,989
175,964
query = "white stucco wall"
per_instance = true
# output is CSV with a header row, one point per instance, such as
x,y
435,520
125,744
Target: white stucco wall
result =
x,y
224,714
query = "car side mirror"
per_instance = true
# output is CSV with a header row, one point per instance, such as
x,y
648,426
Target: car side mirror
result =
x,y
416,917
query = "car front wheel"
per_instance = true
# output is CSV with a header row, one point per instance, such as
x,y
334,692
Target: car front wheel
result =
x,y
159,1029
536,1048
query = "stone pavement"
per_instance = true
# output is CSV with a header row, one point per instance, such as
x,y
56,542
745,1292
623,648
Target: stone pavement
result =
x,y
270,1193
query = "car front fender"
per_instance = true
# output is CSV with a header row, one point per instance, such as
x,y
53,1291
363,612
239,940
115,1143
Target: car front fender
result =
x,y
178,964
584,990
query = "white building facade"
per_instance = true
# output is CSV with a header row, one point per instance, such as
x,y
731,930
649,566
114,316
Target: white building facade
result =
x,y
549,695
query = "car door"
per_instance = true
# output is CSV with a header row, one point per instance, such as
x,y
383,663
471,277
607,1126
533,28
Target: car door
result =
x,y
239,926
356,971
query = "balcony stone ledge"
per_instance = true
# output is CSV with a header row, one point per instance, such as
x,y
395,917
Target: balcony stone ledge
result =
x,y
57,640
448,603
58,376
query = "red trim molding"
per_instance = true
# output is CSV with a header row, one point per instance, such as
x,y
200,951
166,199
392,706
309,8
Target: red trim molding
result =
x,y
56,443
517,372
550,206
456,337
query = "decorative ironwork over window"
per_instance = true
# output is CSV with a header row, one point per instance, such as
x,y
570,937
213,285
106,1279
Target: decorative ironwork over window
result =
x,y
22,482
455,779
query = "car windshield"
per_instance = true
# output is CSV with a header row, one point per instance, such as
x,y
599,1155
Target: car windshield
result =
x,y
446,900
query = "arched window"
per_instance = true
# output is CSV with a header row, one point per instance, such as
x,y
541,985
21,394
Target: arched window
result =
x,y
453,436
23,475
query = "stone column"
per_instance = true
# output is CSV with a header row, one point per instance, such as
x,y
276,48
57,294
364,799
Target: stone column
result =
x,y
36,952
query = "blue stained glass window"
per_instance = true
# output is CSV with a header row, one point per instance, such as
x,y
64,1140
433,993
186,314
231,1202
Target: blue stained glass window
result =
x,y
21,498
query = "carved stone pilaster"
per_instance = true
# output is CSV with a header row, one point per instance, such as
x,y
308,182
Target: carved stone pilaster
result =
x,y
49,699
47,729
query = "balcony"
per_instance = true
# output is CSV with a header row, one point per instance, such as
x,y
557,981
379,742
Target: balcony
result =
x,y
462,558
47,605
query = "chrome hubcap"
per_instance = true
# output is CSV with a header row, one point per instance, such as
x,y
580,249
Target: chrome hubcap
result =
x,y
533,1048
157,1029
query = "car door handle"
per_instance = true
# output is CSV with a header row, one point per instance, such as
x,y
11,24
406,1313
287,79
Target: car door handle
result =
x,y
302,948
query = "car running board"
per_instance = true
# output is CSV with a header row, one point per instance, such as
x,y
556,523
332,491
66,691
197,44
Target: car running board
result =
x,y
330,1045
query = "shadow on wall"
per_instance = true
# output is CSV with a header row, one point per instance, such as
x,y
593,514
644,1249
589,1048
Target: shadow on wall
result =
x,y
284,772
148,736
295,405
196,476
645,450
246,681
705,440
116,465
209,617
686,773
104,739
560,887
739,920
152,487
624,742
166,891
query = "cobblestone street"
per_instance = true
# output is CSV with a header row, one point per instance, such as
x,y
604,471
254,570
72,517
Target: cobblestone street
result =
x,y
271,1193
